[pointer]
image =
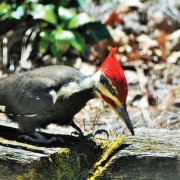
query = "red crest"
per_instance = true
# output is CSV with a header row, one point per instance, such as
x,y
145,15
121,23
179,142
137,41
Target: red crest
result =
x,y
113,70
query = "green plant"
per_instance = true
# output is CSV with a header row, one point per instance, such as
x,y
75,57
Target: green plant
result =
x,y
65,27
61,32
64,34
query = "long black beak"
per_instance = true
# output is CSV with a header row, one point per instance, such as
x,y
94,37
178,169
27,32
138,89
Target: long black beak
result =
x,y
122,112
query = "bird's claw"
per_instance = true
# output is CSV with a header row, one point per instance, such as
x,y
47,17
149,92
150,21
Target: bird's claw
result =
x,y
99,131
92,134
76,133
41,139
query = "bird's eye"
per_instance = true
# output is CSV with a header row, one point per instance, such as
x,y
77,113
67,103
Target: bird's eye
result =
x,y
114,93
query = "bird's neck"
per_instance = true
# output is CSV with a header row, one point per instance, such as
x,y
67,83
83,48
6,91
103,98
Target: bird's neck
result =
x,y
87,83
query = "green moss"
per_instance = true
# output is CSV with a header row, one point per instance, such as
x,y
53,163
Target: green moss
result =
x,y
73,163
109,150
65,164
32,175
154,148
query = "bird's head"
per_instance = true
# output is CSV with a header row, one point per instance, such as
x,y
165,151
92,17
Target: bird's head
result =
x,y
111,86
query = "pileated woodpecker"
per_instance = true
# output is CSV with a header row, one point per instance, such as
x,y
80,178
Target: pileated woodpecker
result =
x,y
54,94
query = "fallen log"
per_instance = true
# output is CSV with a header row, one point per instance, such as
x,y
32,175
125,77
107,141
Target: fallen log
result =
x,y
21,160
150,154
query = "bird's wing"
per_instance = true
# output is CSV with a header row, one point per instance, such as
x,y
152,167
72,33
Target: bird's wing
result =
x,y
60,74
29,93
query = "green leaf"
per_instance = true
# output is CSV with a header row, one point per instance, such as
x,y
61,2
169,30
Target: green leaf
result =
x,y
43,46
55,50
63,35
66,14
44,12
63,46
66,38
47,35
5,8
83,4
109,1
63,39
63,3
94,32
78,42
18,13
32,1
79,20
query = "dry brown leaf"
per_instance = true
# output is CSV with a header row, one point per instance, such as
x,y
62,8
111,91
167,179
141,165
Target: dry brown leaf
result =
x,y
113,18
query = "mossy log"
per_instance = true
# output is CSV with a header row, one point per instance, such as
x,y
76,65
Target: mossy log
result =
x,y
20,160
150,154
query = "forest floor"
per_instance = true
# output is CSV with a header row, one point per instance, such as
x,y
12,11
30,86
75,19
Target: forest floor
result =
x,y
148,42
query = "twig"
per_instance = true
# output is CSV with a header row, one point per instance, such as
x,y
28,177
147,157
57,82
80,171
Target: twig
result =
x,y
147,117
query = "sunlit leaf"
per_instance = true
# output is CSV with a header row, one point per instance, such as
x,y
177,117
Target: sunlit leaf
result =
x,y
63,39
63,35
44,12
67,38
83,4
32,1
79,20
18,13
4,8
109,1
66,14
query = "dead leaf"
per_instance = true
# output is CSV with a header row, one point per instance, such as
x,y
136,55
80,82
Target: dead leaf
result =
x,y
113,18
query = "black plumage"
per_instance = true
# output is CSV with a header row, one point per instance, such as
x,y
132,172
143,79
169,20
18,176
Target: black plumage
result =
x,y
29,102
55,94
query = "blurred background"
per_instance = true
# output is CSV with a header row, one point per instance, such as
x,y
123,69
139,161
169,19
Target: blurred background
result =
x,y
78,33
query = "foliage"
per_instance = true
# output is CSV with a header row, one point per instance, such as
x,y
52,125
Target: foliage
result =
x,y
63,23
62,35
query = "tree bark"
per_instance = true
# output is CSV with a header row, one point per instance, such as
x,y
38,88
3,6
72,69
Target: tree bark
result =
x,y
150,154
21,160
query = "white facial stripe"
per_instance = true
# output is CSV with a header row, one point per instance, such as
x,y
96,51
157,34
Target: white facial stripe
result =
x,y
73,87
68,89
108,94
110,82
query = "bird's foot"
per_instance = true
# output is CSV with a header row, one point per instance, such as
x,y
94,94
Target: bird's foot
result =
x,y
41,139
92,134
77,133
99,131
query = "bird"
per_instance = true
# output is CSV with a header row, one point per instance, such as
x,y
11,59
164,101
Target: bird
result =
x,y
54,94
